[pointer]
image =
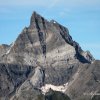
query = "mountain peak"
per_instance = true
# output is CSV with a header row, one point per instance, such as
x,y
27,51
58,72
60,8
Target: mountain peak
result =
x,y
44,57
35,15
37,20
43,39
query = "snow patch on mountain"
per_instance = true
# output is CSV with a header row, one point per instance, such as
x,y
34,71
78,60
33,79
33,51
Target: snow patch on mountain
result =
x,y
60,88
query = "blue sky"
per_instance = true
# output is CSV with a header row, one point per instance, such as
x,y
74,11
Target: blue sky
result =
x,y
81,17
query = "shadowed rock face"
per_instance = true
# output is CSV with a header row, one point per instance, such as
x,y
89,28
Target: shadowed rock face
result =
x,y
45,53
29,90
86,83
11,77
53,95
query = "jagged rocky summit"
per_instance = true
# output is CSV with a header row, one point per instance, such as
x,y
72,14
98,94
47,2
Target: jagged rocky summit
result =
x,y
45,42
45,56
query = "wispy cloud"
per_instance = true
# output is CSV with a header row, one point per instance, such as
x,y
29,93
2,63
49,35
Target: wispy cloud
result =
x,y
54,3
21,2
46,3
